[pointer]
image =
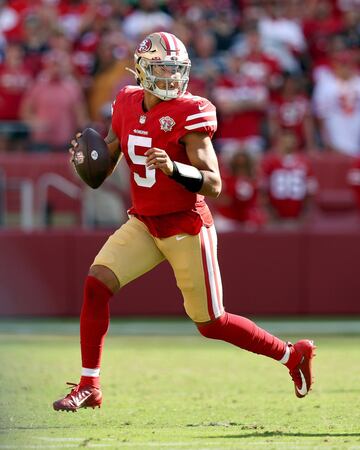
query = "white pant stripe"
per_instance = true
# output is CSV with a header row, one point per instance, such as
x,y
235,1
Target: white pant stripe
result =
x,y
211,274
217,268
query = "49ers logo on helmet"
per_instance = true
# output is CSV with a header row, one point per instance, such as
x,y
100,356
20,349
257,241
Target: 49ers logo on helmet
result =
x,y
144,46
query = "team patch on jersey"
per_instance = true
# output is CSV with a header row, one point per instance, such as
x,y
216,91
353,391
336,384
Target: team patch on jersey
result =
x,y
142,119
166,123
144,46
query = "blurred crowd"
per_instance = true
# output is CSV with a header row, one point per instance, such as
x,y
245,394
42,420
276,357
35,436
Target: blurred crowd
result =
x,y
283,74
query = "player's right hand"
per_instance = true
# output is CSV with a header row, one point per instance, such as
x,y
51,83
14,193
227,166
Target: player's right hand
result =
x,y
74,144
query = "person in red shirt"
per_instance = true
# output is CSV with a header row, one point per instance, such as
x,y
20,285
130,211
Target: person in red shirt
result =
x,y
239,201
54,106
164,134
291,110
288,179
15,79
243,92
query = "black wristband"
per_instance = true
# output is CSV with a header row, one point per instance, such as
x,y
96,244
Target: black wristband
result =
x,y
189,176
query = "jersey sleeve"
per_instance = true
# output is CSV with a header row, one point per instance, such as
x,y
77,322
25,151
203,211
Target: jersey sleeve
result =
x,y
123,97
200,116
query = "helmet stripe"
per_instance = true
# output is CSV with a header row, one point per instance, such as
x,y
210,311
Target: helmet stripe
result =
x,y
173,41
167,43
170,42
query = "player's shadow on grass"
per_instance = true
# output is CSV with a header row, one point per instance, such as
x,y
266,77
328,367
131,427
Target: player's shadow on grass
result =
x,y
280,433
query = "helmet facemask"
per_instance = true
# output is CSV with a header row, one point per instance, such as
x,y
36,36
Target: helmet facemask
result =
x,y
164,79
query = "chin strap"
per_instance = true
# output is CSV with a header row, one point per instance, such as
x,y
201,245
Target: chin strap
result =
x,y
189,176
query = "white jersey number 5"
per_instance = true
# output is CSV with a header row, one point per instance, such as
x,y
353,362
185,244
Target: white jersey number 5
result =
x,y
145,142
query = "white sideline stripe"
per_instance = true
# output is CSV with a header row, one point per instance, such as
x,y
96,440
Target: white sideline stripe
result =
x,y
201,124
85,372
203,114
211,273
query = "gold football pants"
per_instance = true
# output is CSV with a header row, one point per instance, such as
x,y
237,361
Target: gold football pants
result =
x,y
132,251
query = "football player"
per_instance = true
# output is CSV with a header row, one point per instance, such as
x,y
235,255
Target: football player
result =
x,y
165,133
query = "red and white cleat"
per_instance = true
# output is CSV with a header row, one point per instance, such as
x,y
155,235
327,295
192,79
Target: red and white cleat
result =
x,y
79,397
302,372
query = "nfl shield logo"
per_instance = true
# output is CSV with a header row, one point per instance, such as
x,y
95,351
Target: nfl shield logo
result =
x,y
166,123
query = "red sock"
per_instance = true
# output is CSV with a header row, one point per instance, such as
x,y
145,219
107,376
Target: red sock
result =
x,y
245,334
94,323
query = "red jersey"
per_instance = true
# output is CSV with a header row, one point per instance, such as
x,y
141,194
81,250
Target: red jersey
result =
x,y
291,113
164,205
13,85
241,124
288,181
242,204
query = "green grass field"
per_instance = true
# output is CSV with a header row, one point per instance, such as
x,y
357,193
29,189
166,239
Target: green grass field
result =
x,y
172,389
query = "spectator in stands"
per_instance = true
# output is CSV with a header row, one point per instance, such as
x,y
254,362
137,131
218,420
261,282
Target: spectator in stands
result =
x,y
54,107
256,63
351,30
15,79
337,105
242,101
9,20
206,64
291,109
35,38
287,178
282,35
238,203
147,18
319,26
110,73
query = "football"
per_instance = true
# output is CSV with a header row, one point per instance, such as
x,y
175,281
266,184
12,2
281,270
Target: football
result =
x,y
92,159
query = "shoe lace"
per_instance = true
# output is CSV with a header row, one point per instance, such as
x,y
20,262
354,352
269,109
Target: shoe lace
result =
x,y
74,389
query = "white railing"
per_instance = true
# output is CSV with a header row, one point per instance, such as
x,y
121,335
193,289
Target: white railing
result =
x,y
25,187
61,184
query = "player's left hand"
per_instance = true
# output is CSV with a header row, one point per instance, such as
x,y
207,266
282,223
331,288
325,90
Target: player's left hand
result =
x,y
156,158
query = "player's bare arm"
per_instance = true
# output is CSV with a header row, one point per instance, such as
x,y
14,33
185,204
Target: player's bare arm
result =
x,y
113,144
201,154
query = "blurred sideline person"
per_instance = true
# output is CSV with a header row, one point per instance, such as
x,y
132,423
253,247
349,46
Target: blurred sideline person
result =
x,y
54,106
238,203
164,133
287,178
